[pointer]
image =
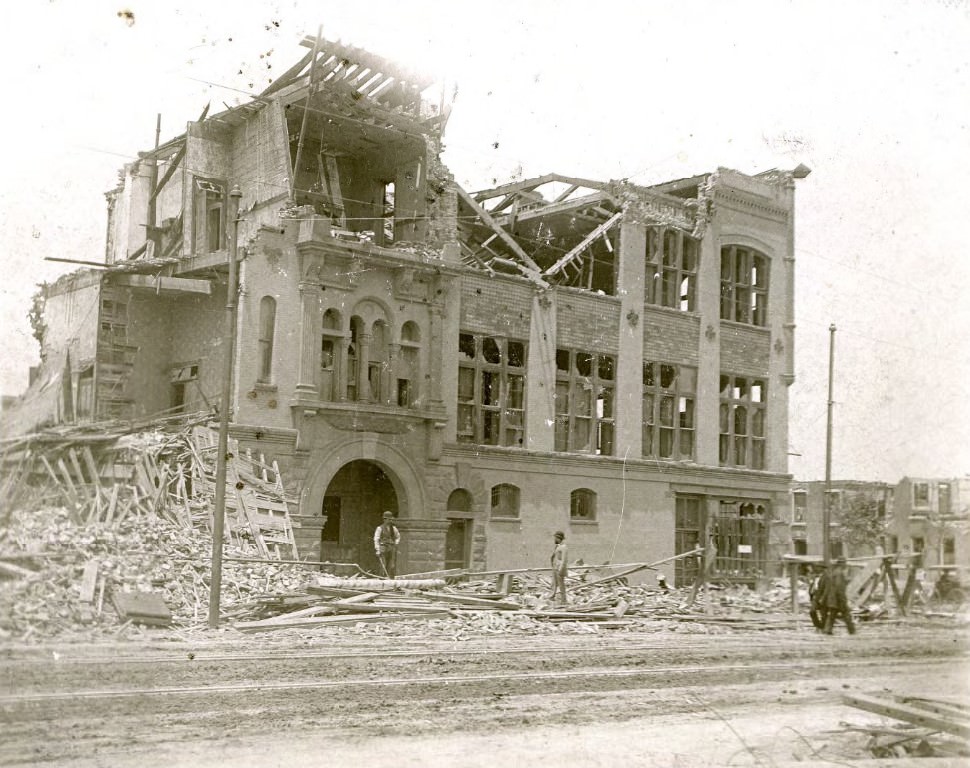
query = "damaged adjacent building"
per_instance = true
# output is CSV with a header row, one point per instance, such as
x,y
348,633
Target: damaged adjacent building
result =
x,y
602,358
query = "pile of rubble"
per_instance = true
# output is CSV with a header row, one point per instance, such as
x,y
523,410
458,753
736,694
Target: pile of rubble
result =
x,y
104,529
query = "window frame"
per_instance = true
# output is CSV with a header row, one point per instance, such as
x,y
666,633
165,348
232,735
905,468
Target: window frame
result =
x,y
578,403
209,196
684,404
484,416
744,295
265,341
582,506
754,412
671,259
509,504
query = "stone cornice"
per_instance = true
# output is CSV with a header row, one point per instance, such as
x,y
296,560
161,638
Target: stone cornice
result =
x,y
748,203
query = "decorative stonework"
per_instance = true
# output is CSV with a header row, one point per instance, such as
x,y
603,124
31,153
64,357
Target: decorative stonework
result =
x,y
355,421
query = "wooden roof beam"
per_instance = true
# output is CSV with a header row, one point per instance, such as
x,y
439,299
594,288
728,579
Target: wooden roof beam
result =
x,y
503,235
602,229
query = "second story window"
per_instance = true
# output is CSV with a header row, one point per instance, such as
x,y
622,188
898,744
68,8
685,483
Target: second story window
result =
x,y
210,216
671,269
742,422
799,506
668,410
491,390
267,330
921,495
744,285
585,407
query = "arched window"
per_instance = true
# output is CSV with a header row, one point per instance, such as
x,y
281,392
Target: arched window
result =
x,y
409,367
582,506
505,501
353,357
378,362
329,344
460,500
267,330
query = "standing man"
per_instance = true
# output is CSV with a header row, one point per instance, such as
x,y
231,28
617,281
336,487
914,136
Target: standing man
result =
x,y
386,538
816,595
834,599
558,562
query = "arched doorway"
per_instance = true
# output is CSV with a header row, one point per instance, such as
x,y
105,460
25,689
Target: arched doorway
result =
x,y
352,505
458,537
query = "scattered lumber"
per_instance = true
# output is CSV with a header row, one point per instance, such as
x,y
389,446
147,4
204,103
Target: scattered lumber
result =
x,y
920,712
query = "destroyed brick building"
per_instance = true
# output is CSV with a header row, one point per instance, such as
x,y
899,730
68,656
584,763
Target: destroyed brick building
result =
x,y
599,357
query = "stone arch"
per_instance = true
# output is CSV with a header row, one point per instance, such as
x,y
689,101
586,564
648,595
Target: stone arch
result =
x,y
400,470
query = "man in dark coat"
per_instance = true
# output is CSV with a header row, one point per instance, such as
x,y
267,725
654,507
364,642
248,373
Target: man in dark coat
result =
x,y
834,599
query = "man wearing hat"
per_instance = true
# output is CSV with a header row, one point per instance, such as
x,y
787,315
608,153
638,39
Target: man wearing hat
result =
x,y
386,538
834,599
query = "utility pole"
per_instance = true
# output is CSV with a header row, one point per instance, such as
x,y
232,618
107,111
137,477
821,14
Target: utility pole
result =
x,y
827,506
219,511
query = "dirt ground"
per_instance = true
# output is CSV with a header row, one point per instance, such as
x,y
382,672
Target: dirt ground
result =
x,y
575,698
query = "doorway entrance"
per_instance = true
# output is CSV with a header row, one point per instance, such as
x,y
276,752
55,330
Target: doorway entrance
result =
x,y
352,505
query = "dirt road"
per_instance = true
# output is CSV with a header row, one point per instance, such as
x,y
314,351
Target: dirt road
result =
x,y
626,699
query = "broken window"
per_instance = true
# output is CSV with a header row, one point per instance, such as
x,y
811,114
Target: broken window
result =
x,y
353,358
921,495
210,216
668,410
688,535
329,345
491,390
671,269
740,532
744,285
585,402
742,422
943,496
799,506
918,547
949,551
582,506
378,362
505,501
267,330
408,367
182,376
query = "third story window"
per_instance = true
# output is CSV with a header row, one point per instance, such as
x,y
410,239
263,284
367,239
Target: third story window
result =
x,y
744,285
671,268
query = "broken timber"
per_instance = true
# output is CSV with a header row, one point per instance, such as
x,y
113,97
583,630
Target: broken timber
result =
x,y
915,711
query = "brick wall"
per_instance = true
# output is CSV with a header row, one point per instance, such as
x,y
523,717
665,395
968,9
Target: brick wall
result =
x,y
495,306
670,336
588,322
745,350
258,157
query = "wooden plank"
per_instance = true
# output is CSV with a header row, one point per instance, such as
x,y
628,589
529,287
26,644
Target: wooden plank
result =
x,y
908,713
89,581
112,503
351,618
506,238
91,465
602,229
471,602
161,283
76,466
956,710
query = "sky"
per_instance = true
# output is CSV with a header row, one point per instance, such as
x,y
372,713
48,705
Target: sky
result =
x,y
874,97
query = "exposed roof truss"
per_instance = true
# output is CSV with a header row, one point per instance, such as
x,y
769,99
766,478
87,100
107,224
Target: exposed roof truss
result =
x,y
549,228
